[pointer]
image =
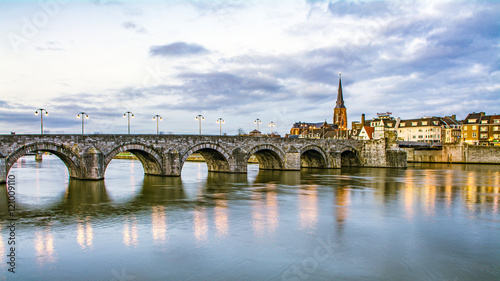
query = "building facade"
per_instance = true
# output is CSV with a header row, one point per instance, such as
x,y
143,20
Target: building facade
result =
x,y
481,129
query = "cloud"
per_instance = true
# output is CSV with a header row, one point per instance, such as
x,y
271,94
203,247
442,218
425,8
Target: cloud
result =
x,y
177,49
133,27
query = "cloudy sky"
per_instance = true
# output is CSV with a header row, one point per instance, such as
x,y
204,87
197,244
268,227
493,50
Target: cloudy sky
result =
x,y
242,60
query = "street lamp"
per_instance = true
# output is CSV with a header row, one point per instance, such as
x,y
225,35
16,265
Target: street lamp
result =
x,y
128,113
257,121
158,118
41,118
199,118
271,125
84,116
220,121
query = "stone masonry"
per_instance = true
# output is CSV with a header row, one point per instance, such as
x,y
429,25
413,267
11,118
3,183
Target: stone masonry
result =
x,y
87,157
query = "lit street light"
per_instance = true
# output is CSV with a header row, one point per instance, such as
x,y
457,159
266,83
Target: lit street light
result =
x,y
41,118
128,113
84,116
158,119
271,125
199,118
257,121
220,121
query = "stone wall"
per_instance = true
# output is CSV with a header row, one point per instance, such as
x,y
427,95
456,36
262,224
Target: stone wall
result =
x,y
456,153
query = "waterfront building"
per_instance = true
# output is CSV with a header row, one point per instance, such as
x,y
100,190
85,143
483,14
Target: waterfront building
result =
x,y
430,129
481,129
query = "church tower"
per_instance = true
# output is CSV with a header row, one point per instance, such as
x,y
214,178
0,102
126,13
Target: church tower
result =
x,y
339,112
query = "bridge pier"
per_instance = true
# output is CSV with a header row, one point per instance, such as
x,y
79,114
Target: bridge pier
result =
x,y
292,161
3,170
92,165
172,163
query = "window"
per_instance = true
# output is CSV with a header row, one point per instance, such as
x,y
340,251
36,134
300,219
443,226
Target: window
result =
x,y
402,124
435,122
496,121
465,135
474,135
484,121
424,123
420,136
420,130
414,136
414,123
471,120
496,128
474,127
496,136
484,136
484,129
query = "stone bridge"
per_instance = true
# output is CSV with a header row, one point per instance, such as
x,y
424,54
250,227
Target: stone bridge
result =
x,y
87,157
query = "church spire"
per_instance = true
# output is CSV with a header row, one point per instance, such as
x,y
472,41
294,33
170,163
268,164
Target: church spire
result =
x,y
340,96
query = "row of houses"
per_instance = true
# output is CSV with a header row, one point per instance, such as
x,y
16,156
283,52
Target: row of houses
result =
x,y
476,128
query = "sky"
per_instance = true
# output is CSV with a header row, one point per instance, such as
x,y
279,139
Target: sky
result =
x,y
272,60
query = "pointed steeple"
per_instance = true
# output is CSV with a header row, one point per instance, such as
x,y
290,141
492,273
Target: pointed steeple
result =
x,y
340,96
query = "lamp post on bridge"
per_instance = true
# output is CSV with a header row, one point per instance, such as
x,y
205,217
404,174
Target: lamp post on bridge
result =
x,y
41,118
271,125
84,116
199,118
220,121
128,113
257,121
158,118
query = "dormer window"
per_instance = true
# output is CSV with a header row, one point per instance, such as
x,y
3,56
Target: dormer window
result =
x,y
424,123
471,120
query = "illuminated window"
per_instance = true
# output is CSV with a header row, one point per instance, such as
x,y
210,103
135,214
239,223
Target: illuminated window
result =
x,y
472,120
474,127
496,128
424,123
484,121
465,135
414,123
484,129
483,136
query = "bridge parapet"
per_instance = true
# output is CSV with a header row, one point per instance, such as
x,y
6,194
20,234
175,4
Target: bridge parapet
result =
x,y
88,156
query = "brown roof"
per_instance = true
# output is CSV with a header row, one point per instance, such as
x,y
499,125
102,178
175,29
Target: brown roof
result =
x,y
369,131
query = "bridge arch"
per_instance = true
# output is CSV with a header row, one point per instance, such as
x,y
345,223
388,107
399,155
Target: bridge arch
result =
x,y
269,156
69,157
151,160
313,156
349,157
215,156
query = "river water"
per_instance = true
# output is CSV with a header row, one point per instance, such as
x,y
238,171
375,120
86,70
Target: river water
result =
x,y
427,222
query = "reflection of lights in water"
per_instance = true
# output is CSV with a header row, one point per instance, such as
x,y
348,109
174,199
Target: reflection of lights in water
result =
x,y
272,207
44,246
408,202
470,195
265,214
258,214
429,192
200,224
159,223
85,234
130,231
496,191
448,190
221,217
342,198
308,206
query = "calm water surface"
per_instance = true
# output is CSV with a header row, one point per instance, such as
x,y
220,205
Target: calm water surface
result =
x,y
428,222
